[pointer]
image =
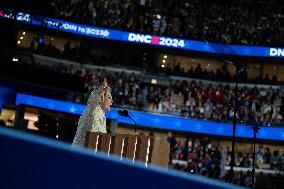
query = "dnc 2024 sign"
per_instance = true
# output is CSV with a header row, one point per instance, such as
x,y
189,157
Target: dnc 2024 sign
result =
x,y
96,32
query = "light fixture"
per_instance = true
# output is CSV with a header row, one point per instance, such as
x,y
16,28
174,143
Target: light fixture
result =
x,y
19,42
165,56
21,37
164,61
154,81
15,59
24,33
162,65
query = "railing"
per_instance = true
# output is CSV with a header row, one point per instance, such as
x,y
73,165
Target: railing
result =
x,y
44,60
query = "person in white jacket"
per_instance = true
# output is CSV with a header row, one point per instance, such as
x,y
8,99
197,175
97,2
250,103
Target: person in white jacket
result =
x,y
93,118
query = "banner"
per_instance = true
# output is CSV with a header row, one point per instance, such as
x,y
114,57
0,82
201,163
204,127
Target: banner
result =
x,y
154,40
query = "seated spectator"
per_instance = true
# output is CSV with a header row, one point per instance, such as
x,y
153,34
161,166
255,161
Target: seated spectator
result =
x,y
234,22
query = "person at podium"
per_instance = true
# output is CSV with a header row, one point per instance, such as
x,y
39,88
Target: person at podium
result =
x,y
93,118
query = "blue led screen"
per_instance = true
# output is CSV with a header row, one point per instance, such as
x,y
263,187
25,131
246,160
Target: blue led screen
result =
x,y
157,121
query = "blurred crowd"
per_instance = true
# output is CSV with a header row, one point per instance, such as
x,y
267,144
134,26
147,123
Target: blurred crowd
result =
x,y
221,74
193,99
208,158
82,54
248,22
199,100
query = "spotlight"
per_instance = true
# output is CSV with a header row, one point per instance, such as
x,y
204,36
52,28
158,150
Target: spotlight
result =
x,y
19,42
162,65
22,37
165,56
24,33
164,61
15,59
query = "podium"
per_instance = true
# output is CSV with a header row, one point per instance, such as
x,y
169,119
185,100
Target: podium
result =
x,y
146,149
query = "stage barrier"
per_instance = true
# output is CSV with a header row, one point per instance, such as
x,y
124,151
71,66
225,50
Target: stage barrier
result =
x,y
32,162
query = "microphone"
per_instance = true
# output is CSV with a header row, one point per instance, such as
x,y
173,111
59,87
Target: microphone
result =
x,y
124,113
120,112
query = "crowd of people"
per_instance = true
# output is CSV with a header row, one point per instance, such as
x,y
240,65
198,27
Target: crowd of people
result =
x,y
82,54
236,22
193,99
221,74
208,158
207,152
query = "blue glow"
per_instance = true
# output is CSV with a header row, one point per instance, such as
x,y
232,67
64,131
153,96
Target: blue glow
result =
x,y
184,44
41,40
5,95
157,121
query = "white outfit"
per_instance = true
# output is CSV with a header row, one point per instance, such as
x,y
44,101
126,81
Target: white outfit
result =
x,y
90,120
